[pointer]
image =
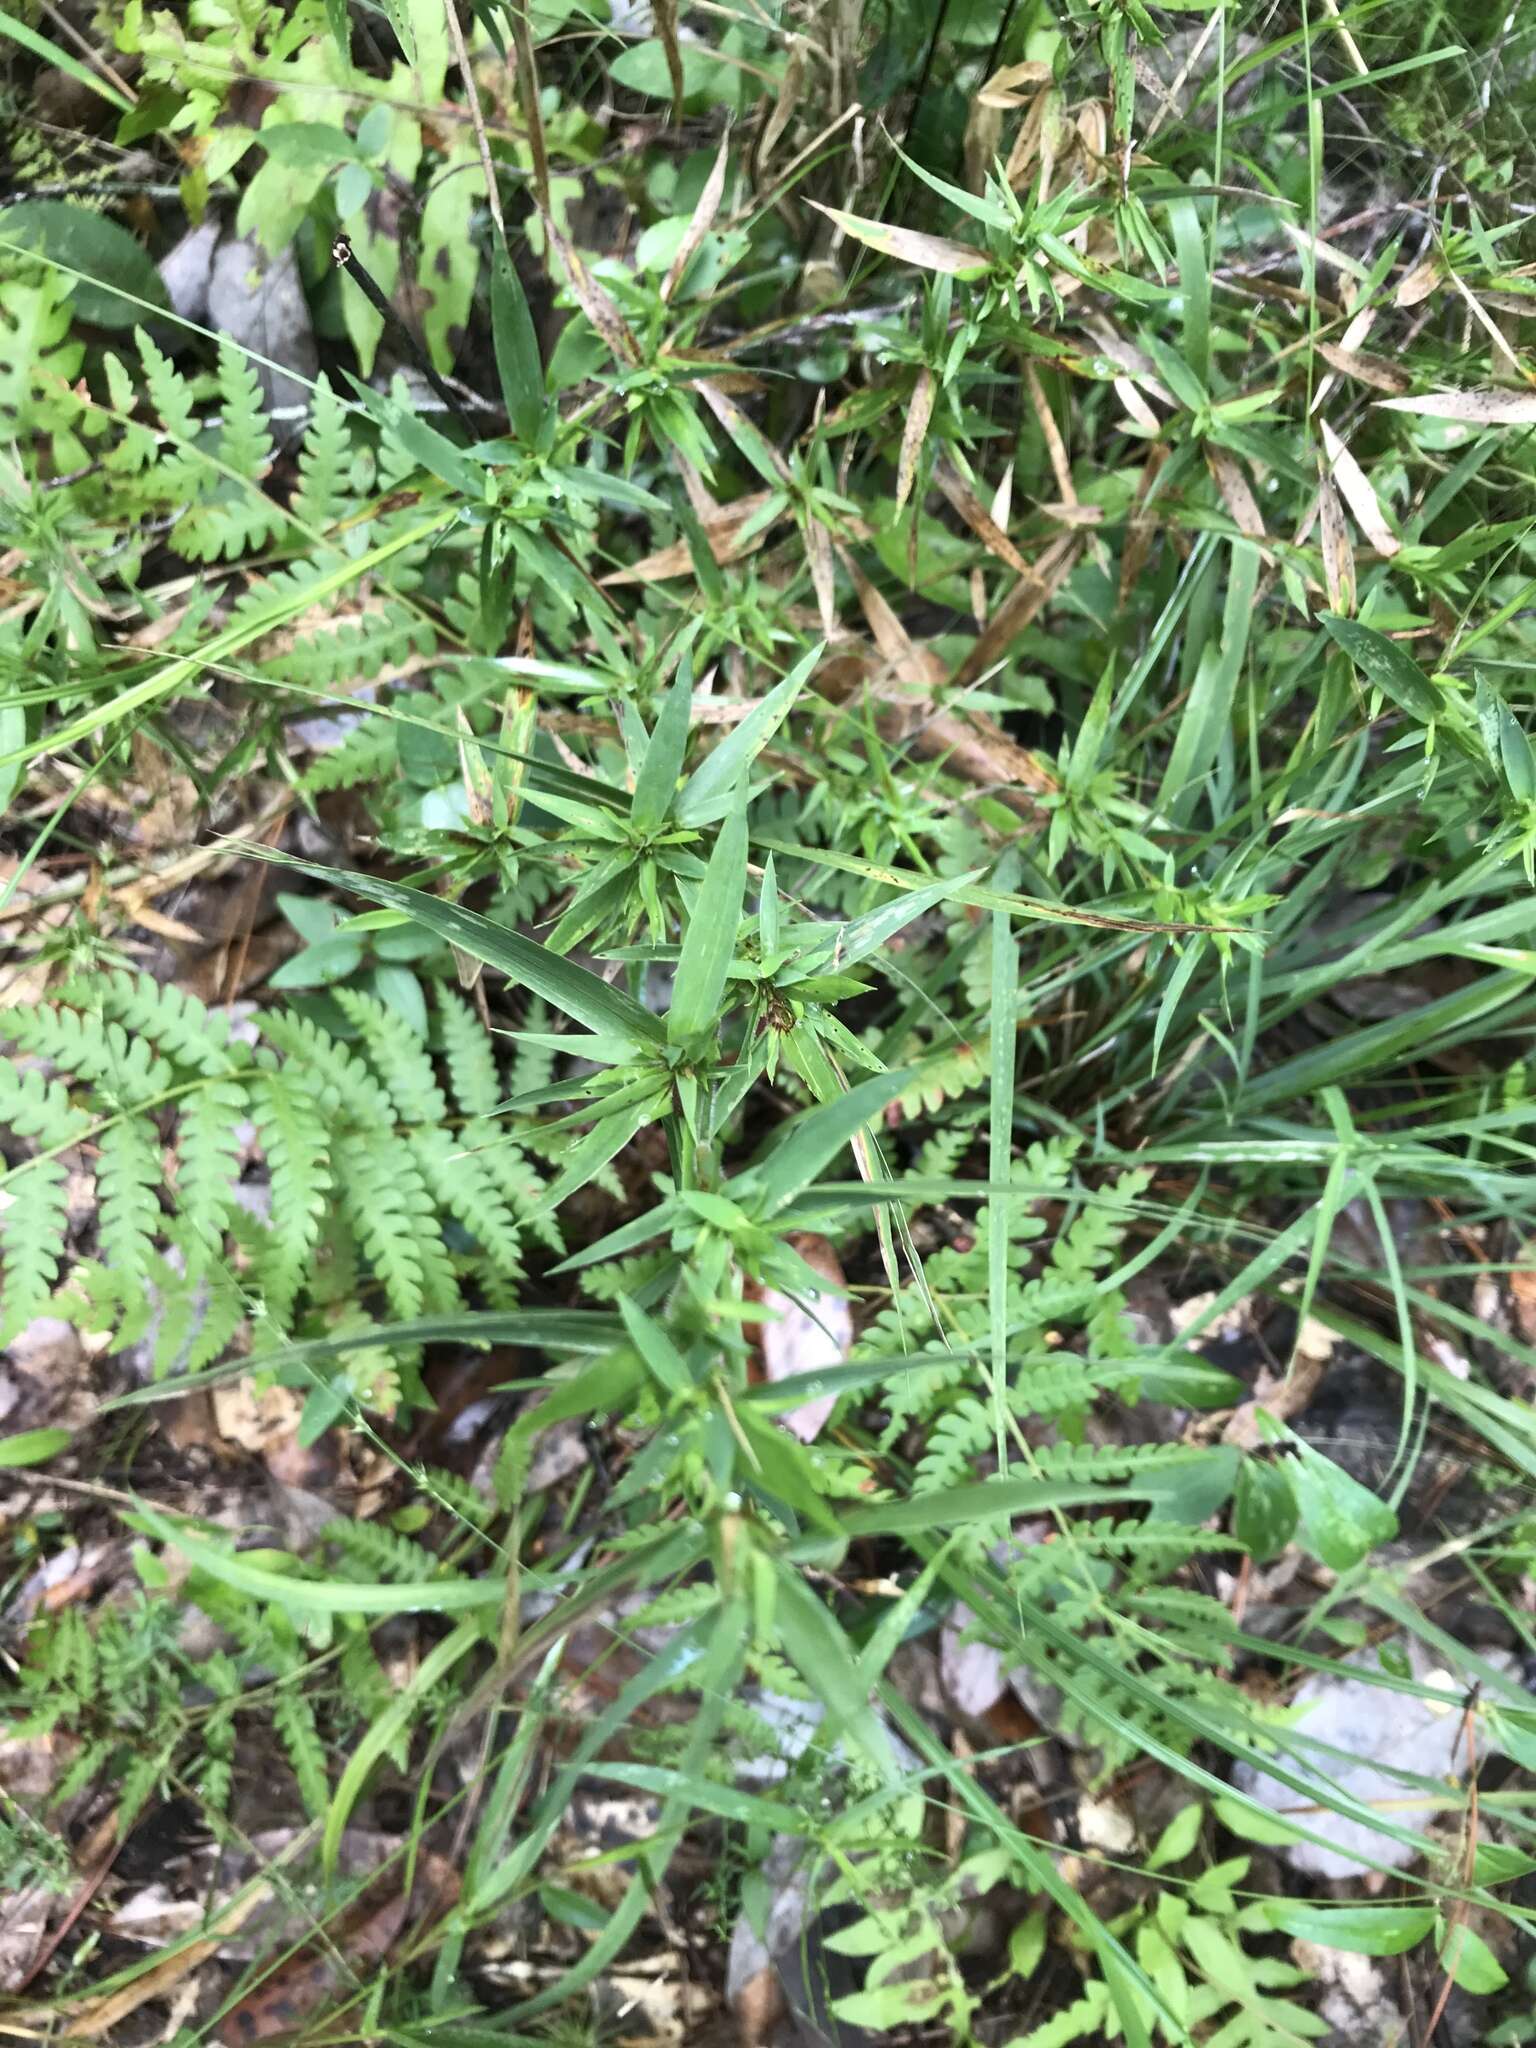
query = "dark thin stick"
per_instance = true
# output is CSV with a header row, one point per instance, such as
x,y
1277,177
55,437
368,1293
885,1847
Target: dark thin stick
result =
x,y
343,255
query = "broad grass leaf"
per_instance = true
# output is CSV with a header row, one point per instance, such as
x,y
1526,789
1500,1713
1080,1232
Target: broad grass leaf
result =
x,y
519,368
709,942
1358,1930
1386,666
1265,1512
707,792
571,989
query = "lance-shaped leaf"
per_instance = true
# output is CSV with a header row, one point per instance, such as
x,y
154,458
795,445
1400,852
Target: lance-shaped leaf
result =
x,y
570,988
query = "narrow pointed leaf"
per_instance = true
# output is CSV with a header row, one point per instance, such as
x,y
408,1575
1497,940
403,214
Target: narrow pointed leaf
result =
x,y
709,944
570,988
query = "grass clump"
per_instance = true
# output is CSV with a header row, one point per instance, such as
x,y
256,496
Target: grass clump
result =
x,y
872,1167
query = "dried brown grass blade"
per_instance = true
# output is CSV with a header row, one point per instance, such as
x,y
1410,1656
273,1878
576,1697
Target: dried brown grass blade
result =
x,y
703,218
976,515
1338,555
919,413
1355,489
1034,589
1236,491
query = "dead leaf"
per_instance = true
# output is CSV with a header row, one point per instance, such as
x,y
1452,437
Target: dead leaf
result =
x,y
908,245
1338,555
1469,408
1417,284
664,16
1355,489
1035,588
721,532
789,98
919,413
1365,369
1002,88
1141,414
1028,144
703,218
592,299
1055,446
1236,491
975,514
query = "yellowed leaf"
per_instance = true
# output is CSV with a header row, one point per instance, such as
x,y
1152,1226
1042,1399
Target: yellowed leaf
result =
x,y
1469,408
908,245
919,413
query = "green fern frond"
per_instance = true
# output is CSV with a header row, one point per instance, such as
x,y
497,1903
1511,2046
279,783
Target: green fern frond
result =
x,y
34,1106
471,1059
398,1056
208,1157
328,481
292,1128
367,754
92,1049
127,1184
464,1187
389,1207
344,1084
294,1720
169,391
185,1030
33,1228
382,1552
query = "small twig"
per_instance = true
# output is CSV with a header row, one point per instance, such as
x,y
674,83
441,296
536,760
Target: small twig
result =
x,y
472,101
345,257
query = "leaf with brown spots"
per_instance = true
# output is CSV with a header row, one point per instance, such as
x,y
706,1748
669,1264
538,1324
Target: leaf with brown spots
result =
x,y
919,413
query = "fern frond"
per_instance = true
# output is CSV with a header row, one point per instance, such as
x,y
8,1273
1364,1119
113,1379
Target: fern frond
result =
x,y
208,1157
366,755
463,1186
343,1083
389,1207
382,1552
184,1029
128,1184
294,1720
399,1057
294,1138
169,391
79,1043
327,482
471,1058
33,1228
34,1106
